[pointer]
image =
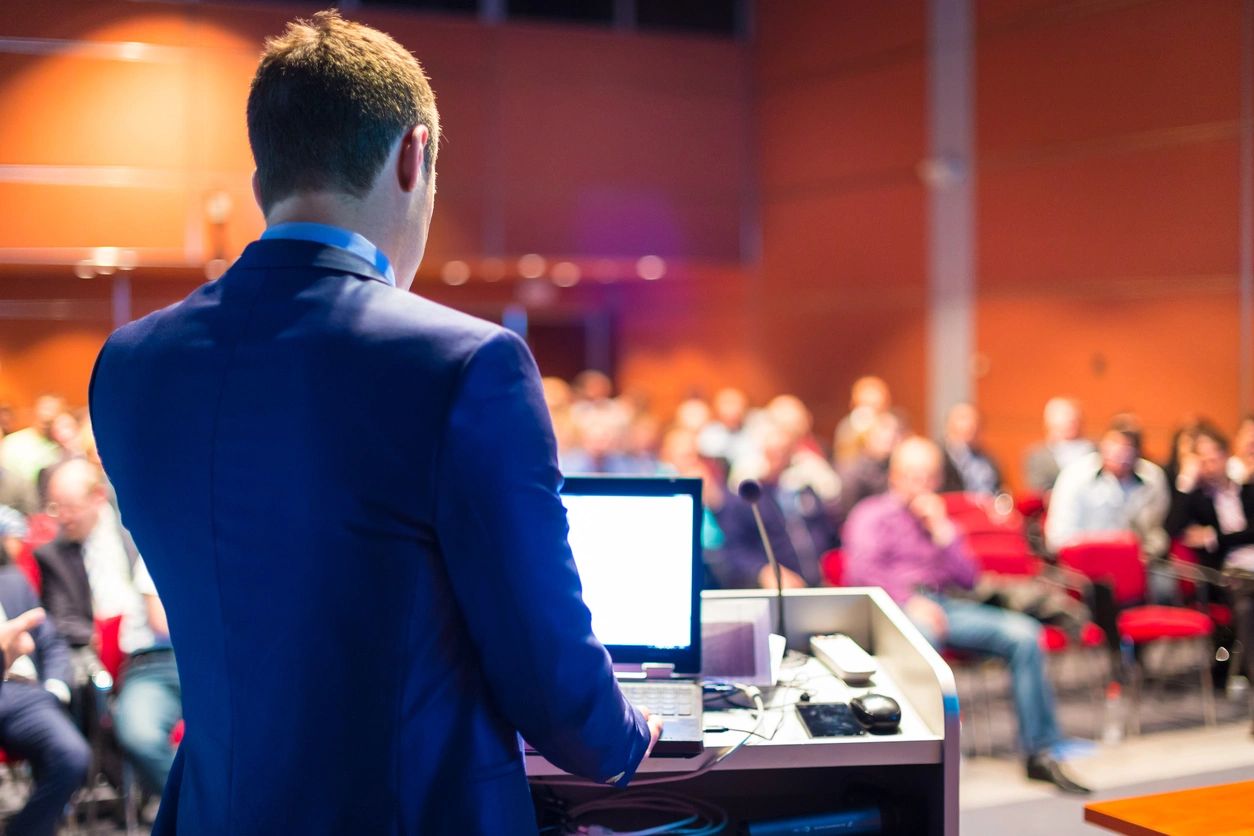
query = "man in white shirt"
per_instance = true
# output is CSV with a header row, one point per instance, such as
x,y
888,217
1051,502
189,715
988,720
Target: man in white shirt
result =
x,y
1112,493
93,572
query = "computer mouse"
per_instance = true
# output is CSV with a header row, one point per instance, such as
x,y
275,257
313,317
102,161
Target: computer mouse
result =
x,y
876,713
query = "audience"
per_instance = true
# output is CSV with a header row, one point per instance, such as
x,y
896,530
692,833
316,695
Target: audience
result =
x,y
1063,444
967,467
796,521
28,451
1214,516
903,541
34,723
896,535
92,571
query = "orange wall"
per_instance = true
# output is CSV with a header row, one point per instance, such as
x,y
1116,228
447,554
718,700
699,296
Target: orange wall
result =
x,y
840,128
1108,205
571,142
1106,200
1106,190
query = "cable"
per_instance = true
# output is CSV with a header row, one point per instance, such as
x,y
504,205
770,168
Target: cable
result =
x,y
699,818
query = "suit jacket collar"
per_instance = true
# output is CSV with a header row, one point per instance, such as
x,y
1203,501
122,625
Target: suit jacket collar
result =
x,y
287,252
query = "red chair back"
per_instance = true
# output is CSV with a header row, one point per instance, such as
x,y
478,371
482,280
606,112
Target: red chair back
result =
x,y
41,529
1116,562
108,633
833,565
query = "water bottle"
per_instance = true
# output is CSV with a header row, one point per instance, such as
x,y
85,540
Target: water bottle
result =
x,y
1112,728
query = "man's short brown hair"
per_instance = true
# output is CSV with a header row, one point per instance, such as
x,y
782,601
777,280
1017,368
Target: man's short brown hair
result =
x,y
329,100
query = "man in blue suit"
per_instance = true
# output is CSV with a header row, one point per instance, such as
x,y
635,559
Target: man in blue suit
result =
x,y
347,497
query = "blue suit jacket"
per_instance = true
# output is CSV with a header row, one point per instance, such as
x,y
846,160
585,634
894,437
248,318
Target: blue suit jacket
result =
x,y
347,497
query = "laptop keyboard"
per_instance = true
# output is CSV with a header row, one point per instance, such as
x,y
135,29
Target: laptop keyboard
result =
x,y
669,700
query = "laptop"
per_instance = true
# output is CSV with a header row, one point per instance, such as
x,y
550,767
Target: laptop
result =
x,y
637,545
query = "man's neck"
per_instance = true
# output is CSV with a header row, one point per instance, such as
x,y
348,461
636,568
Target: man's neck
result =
x,y
331,210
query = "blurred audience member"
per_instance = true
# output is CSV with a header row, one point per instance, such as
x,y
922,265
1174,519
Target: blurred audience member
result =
x,y
92,571
1241,464
903,541
809,466
593,400
1064,443
868,398
67,432
1182,441
797,524
692,414
558,398
12,531
599,447
727,436
681,456
642,443
1209,512
1115,493
968,467
866,474
8,420
18,493
34,723
28,451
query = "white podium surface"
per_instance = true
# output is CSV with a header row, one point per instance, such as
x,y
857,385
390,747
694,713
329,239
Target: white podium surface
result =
x,y
910,672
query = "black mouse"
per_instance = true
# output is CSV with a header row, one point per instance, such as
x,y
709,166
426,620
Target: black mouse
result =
x,y
876,713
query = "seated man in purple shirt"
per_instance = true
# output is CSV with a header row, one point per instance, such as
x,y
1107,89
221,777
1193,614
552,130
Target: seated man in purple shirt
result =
x,y
904,542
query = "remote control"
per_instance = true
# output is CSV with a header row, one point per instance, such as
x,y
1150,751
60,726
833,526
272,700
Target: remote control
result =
x,y
843,657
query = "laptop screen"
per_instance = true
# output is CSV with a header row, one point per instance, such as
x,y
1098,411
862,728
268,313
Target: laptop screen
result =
x,y
637,545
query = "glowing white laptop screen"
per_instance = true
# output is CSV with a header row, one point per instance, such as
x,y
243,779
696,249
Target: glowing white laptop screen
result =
x,y
636,543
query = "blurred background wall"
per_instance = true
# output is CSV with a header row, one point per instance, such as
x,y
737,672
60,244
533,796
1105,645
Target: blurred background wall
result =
x,y
776,176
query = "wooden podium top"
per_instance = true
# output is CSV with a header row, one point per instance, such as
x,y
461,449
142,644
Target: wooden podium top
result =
x,y
1223,810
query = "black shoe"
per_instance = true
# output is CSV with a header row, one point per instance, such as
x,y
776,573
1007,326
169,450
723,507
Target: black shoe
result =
x,y
1042,767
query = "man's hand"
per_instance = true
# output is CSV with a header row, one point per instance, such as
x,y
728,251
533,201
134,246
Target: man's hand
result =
x,y
788,578
929,616
655,729
15,640
930,509
1186,480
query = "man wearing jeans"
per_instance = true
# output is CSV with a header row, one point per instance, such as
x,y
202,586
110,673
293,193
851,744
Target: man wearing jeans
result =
x,y
904,542
92,571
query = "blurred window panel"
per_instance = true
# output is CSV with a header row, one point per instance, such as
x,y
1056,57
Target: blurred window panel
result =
x,y
573,11
708,17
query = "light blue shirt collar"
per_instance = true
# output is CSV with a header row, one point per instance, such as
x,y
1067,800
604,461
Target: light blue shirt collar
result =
x,y
334,236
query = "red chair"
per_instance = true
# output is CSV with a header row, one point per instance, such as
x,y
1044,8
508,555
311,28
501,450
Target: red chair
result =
x,y
41,529
1118,563
832,564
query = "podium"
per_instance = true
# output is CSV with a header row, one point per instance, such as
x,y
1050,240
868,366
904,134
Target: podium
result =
x,y
911,777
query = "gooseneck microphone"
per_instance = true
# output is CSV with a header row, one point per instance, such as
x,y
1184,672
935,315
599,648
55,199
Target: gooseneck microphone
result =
x,y
750,491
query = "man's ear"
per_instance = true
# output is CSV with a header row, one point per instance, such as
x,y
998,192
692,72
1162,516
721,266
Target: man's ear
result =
x,y
257,191
413,154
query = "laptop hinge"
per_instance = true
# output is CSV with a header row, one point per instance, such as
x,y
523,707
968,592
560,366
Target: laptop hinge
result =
x,y
658,670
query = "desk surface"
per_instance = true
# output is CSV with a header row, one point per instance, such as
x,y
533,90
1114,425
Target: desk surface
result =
x,y
1209,811
784,742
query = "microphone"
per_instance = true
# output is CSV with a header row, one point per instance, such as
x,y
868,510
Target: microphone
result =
x,y
750,491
